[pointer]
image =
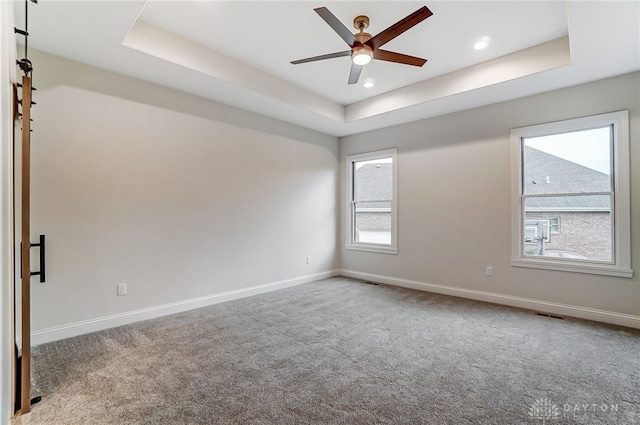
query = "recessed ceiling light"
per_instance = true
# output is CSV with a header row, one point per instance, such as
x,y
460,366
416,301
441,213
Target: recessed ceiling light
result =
x,y
368,84
482,43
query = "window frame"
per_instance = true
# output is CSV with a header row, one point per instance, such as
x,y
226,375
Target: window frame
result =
x,y
349,222
620,265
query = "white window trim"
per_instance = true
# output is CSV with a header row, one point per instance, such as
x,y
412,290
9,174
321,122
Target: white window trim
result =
x,y
621,264
360,246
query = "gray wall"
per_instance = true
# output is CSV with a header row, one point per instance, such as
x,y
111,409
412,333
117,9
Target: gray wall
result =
x,y
454,199
174,195
182,198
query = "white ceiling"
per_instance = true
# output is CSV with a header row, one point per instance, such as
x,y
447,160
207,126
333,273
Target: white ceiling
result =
x,y
238,52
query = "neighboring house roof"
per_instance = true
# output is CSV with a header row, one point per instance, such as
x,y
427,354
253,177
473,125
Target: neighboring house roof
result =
x,y
546,173
374,182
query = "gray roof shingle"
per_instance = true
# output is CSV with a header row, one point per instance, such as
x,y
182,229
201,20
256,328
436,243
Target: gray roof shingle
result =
x,y
549,174
374,182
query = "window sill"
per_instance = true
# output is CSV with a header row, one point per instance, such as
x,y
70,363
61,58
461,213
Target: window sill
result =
x,y
573,267
382,249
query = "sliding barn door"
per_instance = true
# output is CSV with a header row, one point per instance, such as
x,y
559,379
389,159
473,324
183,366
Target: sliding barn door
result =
x,y
25,287
25,258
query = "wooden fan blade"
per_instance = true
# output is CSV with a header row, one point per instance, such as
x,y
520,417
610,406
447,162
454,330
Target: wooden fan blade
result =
x,y
337,26
322,57
388,56
355,73
399,27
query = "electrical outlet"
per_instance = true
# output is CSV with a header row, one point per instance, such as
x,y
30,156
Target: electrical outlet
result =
x,y
122,289
308,260
489,271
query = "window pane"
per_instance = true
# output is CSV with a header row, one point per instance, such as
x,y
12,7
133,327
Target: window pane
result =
x,y
373,180
373,222
574,162
586,227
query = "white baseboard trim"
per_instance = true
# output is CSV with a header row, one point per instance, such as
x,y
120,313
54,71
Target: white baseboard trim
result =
x,y
526,303
106,322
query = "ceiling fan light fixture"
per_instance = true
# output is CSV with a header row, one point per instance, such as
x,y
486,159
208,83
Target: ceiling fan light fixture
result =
x,y
361,55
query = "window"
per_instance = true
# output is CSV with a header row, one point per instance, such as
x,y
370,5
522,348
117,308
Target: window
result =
x,y
371,202
554,225
573,172
534,229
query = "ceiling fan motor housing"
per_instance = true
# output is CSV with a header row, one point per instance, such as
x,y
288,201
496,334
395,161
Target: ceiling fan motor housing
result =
x,y
363,36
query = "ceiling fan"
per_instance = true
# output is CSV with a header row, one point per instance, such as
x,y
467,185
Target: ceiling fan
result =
x,y
364,47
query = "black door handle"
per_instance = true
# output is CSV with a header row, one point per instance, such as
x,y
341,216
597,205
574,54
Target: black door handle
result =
x,y
41,272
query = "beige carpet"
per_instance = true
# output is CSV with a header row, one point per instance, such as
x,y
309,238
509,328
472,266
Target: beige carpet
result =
x,y
340,351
